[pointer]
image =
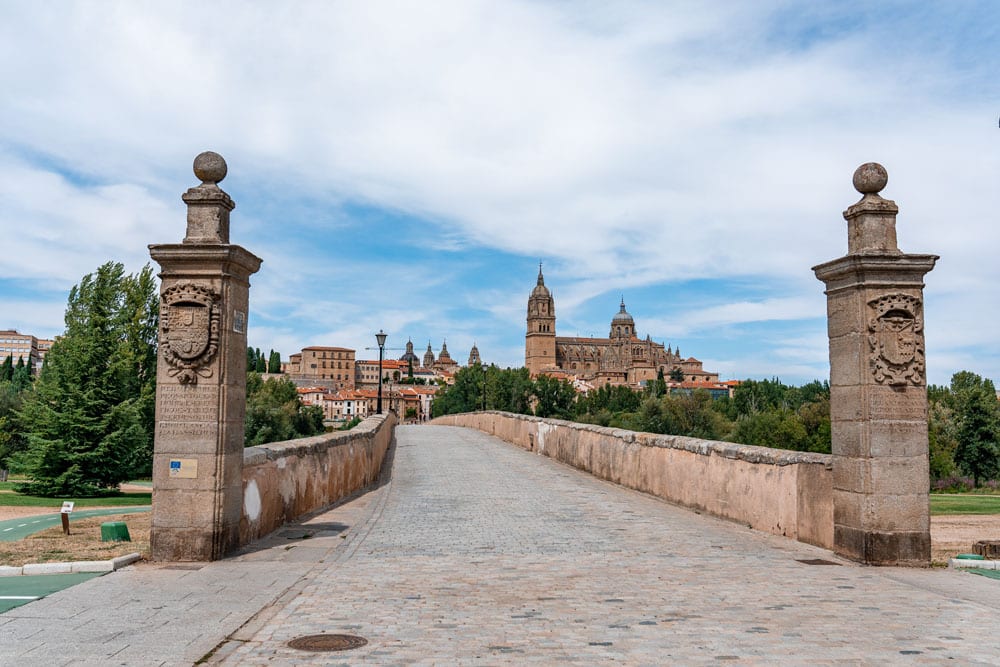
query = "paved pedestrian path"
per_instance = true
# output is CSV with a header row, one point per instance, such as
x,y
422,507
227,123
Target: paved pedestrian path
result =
x,y
476,552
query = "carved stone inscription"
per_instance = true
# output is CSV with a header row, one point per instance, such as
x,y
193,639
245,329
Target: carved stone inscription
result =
x,y
187,411
887,405
896,339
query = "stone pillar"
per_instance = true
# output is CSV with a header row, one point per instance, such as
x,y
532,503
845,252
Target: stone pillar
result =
x,y
201,378
878,392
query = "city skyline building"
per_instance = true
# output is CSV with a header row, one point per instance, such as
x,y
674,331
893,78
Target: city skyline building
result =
x,y
620,359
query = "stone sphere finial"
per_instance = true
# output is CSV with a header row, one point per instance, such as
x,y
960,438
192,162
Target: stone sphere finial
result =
x,y
870,178
211,167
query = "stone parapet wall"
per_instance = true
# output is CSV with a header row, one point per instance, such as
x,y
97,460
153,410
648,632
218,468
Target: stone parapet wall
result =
x,y
782,492
285,480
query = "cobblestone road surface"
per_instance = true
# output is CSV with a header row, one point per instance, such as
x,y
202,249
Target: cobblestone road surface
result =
x,y
476,552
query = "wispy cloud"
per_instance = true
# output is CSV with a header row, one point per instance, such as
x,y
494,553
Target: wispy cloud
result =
x,y
395,163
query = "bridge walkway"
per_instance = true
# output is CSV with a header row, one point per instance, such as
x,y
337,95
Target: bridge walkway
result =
x,y
475,552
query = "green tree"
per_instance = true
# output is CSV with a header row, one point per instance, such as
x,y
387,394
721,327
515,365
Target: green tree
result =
x,y
778,429
464,395
754,396
978,422
657,387
610,398
814,415
274,362
942,438
554,397
7,370
21,378
11,437
89,420
508,389
276,413
676,374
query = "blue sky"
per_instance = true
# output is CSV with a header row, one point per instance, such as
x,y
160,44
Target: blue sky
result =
x,y
406,166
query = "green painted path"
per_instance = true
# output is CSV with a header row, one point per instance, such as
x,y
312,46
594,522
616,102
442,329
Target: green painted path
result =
x,y
16,591
16,529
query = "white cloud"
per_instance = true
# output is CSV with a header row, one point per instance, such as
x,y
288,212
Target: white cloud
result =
x,y
628,144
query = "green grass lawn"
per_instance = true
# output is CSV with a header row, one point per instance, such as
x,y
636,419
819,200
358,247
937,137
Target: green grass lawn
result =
x,y
963,503
10,499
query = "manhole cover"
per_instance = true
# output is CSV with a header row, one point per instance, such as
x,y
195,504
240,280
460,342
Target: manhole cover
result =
x,y
327,642
817,561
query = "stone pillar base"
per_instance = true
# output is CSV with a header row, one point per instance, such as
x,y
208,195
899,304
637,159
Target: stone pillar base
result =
x,y
908,549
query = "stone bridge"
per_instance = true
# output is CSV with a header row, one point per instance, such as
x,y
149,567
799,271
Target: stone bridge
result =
x,y
471,550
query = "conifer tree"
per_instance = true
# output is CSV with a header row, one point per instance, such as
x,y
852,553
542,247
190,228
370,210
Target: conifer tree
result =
x,y
89,421
7,370
274,362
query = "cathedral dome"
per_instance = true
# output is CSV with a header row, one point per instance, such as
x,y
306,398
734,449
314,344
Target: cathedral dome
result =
x,y
622,316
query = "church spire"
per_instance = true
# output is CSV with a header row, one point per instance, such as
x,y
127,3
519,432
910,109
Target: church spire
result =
x,y
541,278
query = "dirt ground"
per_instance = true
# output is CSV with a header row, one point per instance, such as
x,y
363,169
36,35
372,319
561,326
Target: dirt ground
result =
x,y
83,542
956,533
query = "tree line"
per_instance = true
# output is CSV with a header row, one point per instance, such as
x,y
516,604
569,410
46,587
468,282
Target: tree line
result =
x,y
963,424
86,423
765,412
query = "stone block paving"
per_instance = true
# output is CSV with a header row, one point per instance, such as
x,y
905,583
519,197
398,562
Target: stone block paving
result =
x,y
477,552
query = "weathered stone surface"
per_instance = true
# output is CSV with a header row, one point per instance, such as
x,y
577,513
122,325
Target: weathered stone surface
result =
x,y
878,394
201,379
285,480
783,492
987,548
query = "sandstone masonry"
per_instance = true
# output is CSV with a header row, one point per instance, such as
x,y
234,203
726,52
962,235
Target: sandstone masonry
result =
x,y
878,390
201,378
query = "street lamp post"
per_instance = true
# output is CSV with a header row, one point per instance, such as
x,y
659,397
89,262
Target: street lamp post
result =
x,y
380,337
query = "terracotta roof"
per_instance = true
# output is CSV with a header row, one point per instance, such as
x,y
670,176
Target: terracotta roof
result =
x,y
323,348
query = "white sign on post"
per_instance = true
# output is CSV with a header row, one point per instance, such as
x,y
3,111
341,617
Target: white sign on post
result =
x,y
67,507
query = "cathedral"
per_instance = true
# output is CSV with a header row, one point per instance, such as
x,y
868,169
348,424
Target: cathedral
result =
x,y
621,358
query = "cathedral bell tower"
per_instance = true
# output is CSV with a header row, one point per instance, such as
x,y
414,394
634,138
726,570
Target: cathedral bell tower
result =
x,y
540,339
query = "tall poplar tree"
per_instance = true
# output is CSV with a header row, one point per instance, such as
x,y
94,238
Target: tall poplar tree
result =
x,y
274,362
89,421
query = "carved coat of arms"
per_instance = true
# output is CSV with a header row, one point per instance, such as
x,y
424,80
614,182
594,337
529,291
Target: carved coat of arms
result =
x,y
896,339
189,316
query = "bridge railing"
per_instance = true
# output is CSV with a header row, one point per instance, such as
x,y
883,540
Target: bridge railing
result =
x,y
782,492
286,480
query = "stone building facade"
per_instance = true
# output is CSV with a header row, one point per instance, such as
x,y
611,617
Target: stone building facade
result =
x,y
331,367
620,359
24,347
